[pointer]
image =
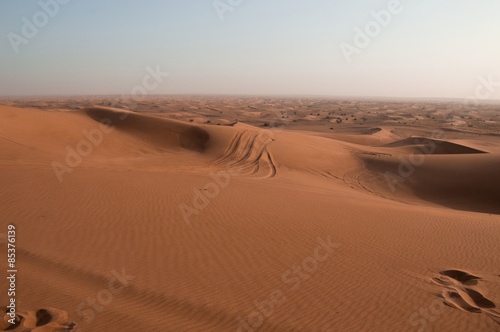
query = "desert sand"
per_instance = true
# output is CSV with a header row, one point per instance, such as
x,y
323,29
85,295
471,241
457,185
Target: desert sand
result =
x,y
200,213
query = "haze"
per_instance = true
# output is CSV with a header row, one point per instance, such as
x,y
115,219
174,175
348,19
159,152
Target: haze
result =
x,y
429,49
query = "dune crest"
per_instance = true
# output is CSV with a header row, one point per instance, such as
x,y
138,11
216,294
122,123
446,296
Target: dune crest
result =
x,y
433,146
157,131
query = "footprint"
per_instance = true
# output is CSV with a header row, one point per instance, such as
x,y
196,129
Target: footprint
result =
x,y
46,320
454,299
43,317
495,316
5,325
479,299
455,293
442,281
461,276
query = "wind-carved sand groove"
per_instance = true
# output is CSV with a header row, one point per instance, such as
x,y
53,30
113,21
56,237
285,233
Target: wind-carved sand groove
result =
x,y
457,295
247,154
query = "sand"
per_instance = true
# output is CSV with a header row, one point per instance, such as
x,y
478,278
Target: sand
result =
x,y
251,214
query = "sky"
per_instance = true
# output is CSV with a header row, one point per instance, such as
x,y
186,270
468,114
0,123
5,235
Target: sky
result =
x,y
366,48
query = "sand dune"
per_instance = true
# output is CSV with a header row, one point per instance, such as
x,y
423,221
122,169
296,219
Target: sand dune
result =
x,y
160,132
168,225
451,175
432,146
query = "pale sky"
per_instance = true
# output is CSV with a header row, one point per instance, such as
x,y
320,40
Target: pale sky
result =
x,y
427,48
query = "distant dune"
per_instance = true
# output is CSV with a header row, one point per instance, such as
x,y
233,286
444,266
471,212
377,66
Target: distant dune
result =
x,y
139,222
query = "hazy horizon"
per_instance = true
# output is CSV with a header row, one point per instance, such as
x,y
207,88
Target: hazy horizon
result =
x,y
488,101
423,50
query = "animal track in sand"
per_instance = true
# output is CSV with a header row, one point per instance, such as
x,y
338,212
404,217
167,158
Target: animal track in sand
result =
x,y
47,320
457,295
